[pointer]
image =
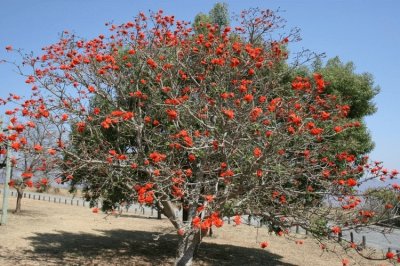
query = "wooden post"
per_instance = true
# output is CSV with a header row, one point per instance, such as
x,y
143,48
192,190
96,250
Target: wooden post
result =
x,y
65,201
340,235
34,196
351,237
39,197
29,196
364,241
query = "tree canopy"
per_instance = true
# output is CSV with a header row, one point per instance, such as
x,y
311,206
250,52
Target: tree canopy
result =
x,y
154,113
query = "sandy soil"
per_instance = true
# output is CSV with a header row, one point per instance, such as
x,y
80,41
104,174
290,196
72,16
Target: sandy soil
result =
x,y
52,234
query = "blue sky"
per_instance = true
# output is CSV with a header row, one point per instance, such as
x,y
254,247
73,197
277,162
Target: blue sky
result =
x,y
365,32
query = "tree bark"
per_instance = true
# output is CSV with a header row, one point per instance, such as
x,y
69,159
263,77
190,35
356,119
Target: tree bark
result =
x,y
20,193
187,248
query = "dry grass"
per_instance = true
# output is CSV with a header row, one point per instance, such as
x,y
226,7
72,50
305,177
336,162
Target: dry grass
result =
x,y
51,234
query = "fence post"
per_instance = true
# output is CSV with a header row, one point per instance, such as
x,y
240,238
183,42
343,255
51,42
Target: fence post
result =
x,y
33,196
364,241
24,195
65,201
351,237
29,196
340,237
39,197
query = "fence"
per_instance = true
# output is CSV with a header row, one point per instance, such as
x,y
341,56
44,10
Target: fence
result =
x,y
135,208
376,241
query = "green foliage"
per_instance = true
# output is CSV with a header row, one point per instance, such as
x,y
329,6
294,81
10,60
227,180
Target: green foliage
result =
x,y
358,90
200,22
218,15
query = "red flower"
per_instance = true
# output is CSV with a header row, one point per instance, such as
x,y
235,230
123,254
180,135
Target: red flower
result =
x,y
151,63
192,157
209,198
336,230
38,148
255,113
95,210
351,182
157,157
81,126
264,244
248,98
337,129
196,222
16,145
229,113
27,175
172,114
390,255
257,152
52,151
29,183
44,181
316,131
11,183
237,219
234,62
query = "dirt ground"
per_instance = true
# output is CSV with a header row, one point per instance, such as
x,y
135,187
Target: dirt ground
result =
x,y
52,234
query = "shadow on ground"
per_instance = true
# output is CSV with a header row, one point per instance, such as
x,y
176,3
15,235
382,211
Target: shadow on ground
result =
x,y
122,247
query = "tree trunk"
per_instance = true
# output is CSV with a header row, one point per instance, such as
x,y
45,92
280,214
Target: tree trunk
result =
x,y
187,248
20,193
